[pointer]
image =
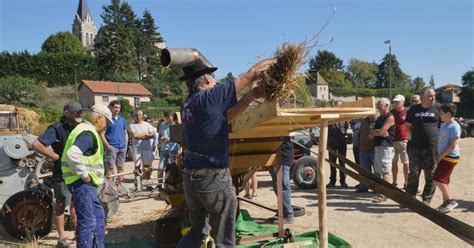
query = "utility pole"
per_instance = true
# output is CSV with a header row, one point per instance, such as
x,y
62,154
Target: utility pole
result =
x,y
390,67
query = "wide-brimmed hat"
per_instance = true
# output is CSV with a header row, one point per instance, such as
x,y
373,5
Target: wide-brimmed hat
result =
x,y
398,98
104,111
195,71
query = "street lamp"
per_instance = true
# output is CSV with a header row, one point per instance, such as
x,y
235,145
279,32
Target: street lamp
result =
x,y
390,67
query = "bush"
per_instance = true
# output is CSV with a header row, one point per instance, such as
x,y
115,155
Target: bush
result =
x,y
49,115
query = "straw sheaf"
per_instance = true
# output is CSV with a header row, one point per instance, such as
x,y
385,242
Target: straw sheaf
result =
x,y
279,81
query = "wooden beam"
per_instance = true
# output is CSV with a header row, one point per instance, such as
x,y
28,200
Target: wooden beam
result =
x,y
255,116
322,152
364,102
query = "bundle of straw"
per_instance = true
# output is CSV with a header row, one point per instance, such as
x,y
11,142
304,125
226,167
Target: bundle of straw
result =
x,y
280,79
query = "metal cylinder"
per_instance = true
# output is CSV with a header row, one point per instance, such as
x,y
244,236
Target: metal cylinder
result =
x,y
179,57
182,57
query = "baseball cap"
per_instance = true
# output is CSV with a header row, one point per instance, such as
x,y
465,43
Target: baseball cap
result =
x,y
103,110
72,107
399,98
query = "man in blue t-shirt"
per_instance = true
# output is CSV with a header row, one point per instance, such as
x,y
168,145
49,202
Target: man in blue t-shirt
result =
x,y
207,177
115,139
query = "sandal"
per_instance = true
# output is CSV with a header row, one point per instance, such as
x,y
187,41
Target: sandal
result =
x,y
379,199
65,243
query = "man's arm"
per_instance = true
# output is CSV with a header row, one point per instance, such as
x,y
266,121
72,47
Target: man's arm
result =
x,y
125,133
252,74
242,104
42,149
104,140
383,130
409,129
452,144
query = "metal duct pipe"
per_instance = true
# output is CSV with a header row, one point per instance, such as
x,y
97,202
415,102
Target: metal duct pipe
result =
x,y
181,57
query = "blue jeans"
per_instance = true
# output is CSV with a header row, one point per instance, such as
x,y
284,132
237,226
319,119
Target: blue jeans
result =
x,y
90,229
211,200
366,159
286,189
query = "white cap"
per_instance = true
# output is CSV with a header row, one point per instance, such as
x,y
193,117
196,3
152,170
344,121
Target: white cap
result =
x,y
103,110
399,98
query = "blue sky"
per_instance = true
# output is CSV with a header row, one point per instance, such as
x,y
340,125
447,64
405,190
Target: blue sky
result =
x,y
429,37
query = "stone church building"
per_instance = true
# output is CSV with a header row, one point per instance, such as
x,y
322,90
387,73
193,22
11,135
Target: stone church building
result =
x,y
84,27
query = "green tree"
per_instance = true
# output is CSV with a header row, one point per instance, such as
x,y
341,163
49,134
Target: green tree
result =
x,y
147,53
115,46
229,76
390,72
467,94
329,66
21,91
62,42
363,74
432,82
418,84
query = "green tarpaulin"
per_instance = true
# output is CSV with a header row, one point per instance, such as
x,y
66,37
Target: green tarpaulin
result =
x,y
245,226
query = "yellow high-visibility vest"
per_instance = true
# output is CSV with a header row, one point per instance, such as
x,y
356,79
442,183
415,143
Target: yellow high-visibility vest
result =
x,y
94,163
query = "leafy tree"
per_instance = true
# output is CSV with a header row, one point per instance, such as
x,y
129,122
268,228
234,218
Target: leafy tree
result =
x,y
362,73
147,53
467,94
115,46
390,73
418,84
324,60
20,90
432,82
229,76
62,42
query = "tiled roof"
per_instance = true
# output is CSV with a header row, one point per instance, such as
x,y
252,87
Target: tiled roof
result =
x,y
449,87
116,88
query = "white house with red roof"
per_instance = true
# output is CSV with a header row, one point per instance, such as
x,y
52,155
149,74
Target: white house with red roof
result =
x,y
448,93
102,92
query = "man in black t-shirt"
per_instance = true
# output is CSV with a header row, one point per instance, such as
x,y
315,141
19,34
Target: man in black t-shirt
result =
x,y
422,124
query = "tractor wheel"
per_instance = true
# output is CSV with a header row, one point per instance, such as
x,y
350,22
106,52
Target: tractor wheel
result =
x,y
28,214
305,173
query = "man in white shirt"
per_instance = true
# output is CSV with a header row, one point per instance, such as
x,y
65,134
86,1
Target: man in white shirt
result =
x,y
142,150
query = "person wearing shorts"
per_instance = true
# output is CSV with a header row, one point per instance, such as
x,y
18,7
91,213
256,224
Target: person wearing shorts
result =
x,y
142,151
115,139
447,155
401,139
56,136
383,133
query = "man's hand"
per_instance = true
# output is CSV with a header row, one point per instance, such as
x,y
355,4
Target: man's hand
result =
x,y
55,157
263,65
86,178
257,92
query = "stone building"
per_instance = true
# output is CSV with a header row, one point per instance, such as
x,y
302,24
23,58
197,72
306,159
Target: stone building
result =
x,y
84,27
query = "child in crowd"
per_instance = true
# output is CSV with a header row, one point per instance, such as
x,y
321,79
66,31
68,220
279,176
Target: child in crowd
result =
x,y
447,154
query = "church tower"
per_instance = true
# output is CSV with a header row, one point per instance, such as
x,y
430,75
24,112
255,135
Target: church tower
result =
x,y
83,26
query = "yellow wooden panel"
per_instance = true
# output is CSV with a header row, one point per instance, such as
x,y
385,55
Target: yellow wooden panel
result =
x,y
241,164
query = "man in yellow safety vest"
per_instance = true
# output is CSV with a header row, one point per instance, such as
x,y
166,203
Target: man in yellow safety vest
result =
x,y
82,166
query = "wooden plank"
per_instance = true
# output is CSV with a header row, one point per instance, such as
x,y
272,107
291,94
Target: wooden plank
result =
x,y
364,102
241,163
452,225
322,153
255,116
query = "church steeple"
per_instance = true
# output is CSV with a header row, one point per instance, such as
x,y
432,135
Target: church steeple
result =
x,y
83,10
83,26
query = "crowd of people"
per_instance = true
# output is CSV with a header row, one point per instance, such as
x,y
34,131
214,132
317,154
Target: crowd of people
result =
x,y
422,137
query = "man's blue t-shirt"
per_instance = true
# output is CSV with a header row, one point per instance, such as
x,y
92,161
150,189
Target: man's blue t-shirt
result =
x,y
115,132
164,130
447,132
204,117
52,138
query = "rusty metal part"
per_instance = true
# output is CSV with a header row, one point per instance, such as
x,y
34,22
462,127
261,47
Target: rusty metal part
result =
x,y
28,214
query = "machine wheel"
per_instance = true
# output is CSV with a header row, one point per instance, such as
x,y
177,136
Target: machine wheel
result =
x,y
305,173
463,133
28,214
471,131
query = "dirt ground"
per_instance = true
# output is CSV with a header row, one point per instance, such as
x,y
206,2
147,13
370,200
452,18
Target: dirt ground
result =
x,y
351,216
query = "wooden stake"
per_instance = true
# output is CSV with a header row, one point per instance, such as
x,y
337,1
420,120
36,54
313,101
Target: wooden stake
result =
x,y
323,231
